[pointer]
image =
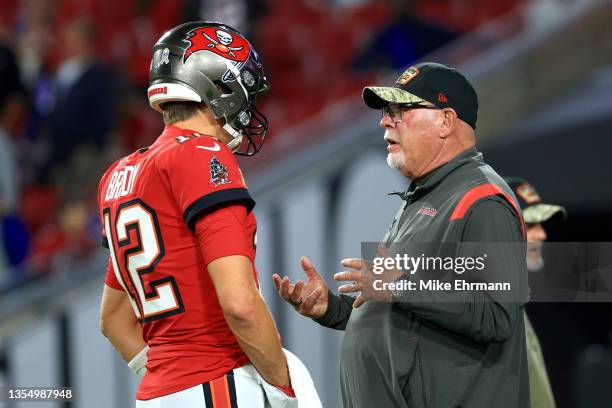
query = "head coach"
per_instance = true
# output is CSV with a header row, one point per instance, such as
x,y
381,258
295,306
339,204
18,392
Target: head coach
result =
x,y
469,352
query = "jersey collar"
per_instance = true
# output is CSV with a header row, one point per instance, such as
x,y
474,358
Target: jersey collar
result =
x,y
427,182
170,132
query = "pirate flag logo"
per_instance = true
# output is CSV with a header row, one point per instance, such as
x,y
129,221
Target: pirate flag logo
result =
x,y
218,172
231,46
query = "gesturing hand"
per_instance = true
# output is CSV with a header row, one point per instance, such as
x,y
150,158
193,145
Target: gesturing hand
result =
x,y
308,299
363,280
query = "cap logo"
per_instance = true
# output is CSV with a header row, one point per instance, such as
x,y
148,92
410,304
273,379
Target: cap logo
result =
x,y
442,97
528,194
407,76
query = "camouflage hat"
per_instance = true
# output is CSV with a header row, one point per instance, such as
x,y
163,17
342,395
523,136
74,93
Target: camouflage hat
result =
x,y
439,84
534,211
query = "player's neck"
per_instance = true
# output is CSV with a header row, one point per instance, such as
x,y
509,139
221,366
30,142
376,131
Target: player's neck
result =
x,y
203,122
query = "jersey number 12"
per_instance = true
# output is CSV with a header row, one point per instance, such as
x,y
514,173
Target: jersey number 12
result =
x,y
153,300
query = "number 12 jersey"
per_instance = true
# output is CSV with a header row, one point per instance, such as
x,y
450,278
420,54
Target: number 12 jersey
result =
x,y
152,204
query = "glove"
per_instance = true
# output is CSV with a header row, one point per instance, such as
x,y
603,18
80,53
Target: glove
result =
x,y
138,364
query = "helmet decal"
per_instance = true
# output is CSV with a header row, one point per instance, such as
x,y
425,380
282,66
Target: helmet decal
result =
x,y
164,58
223,43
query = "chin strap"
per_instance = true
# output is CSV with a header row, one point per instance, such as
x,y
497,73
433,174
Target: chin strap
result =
x,y
236,135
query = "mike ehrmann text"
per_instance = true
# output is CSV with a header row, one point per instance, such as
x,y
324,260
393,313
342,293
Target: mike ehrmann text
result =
x,y
435,284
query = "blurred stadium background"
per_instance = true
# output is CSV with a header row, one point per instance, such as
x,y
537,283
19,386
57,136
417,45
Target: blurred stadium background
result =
x,y
73,75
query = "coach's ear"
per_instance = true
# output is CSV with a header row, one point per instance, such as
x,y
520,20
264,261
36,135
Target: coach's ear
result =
x,y
448,121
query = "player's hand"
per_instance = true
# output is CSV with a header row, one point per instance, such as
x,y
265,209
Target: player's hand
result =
x,y
308,299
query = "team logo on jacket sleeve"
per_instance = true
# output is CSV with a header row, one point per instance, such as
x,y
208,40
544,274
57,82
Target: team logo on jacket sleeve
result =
x,y
218,172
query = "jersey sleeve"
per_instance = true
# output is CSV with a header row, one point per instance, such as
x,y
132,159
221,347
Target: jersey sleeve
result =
x,y
338,313
223,232
202,174
111,279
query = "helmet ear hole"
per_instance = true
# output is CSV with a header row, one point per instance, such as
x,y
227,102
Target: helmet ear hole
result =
x,y
223,88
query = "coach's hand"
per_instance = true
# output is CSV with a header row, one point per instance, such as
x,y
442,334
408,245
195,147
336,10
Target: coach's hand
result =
x,y
308,299
362,279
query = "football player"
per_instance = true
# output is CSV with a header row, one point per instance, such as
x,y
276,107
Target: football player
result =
x,y
181,302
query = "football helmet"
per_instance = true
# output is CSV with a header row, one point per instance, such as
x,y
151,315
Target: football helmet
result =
x,y
212,63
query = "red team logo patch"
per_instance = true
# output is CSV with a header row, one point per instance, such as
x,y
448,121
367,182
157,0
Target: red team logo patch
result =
x,y
223,43
218,172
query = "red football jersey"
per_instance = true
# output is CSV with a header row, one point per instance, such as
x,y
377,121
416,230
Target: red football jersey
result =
x,y
150,203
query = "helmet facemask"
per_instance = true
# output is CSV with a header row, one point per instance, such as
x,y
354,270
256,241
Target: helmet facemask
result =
x,y
255,131
248,122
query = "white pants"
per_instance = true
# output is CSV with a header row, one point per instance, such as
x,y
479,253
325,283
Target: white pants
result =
x,y
241,388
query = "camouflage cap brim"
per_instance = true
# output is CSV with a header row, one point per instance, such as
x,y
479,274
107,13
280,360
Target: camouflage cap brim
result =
x,y
543,212
377,97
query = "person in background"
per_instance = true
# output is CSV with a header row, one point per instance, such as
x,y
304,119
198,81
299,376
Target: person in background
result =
x,y
14,240
402,41
536,214
83,115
